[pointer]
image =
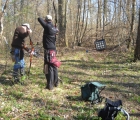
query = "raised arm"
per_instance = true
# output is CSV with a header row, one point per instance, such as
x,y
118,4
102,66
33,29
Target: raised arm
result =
x,y
42,22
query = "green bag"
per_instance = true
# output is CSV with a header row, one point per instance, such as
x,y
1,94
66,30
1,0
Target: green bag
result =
x,y
91,91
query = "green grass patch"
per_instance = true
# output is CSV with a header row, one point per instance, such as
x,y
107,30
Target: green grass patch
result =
x,y
64,102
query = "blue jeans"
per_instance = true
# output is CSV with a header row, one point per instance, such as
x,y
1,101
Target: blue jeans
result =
x,y
19,63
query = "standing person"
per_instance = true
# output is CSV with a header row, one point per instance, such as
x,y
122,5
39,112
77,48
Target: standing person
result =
x,y
17,51
49,39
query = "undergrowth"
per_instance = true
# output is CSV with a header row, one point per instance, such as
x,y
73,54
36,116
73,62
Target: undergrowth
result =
x,y
30,101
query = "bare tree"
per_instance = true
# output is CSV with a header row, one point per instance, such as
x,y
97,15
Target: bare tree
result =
x,y
98,24
137,48
131,24
104,16
62,21
78,20
1,17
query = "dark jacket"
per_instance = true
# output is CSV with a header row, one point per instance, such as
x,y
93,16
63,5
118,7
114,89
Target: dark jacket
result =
x,y
48,35
18,38
19,41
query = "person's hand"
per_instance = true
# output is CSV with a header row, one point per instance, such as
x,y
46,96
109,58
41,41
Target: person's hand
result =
x,y
29,31
32,53
57,31
45,21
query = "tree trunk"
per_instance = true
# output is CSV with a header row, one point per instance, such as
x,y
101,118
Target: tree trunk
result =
x,y
21,14
78,19
131,25
1,17
97,24
104,16
137,48
62,21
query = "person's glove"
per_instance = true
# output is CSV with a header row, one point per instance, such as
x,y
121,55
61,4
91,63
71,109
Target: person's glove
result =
x,y
29,31
32,53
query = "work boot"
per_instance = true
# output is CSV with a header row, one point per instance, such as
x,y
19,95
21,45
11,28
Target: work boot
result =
x,y
22,71
15,76
16,80
56,84
23,77
48,87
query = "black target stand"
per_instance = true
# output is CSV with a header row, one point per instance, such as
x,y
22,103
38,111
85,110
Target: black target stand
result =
x,y
100,45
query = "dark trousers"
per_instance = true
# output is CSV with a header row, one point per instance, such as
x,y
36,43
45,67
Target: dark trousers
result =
x,y
52,77
52,72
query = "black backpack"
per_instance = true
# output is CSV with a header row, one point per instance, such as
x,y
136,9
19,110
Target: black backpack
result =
x,y
91,92
110,111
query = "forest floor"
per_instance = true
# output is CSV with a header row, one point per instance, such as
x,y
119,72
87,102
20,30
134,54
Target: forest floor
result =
x,y
30,101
